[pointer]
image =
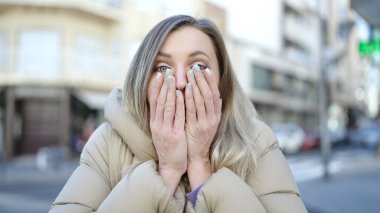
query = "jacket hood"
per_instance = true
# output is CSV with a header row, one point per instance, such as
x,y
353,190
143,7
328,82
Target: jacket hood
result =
x,y
136,139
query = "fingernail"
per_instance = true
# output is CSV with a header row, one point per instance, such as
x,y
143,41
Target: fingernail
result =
x,y
170,80
168,71
208,71
158,76
177,93
189,86
197,68
191,73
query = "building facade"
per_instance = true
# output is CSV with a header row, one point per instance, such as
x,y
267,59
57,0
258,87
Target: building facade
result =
x,y
282,75
60,59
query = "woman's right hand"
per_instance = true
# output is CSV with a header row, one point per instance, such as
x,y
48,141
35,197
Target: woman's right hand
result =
x,y
167,121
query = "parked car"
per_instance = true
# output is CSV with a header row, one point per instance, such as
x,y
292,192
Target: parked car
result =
x,y
311,141
338,137
368,135
290,137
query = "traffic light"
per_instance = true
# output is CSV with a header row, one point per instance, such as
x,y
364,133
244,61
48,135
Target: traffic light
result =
x,y
369,48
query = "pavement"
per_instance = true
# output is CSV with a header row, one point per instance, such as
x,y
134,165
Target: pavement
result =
x,y
349,192
26,187
353,184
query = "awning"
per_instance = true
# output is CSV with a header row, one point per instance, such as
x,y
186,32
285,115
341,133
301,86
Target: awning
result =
x,y
94,100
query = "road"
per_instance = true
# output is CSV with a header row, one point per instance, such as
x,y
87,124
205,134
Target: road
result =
x,y
28,197
308,166
25,189
353,185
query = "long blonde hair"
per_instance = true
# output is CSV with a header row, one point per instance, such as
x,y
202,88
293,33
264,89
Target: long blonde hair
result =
x,y
233,146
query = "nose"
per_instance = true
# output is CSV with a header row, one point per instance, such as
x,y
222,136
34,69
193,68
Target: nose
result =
x,y
181,79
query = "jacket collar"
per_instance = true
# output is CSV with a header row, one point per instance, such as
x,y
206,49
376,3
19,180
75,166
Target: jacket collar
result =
x,y
138,142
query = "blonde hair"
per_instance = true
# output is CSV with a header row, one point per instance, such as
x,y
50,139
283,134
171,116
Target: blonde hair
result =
x,y
233,145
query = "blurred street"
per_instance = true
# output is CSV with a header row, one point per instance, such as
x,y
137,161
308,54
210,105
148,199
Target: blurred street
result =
x,y
23,188
311,68
353,185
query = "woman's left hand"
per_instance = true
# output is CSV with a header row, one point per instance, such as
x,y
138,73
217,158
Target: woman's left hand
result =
x,y
203,112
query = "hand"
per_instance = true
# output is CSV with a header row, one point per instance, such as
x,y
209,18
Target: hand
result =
x,y
203,112
167,120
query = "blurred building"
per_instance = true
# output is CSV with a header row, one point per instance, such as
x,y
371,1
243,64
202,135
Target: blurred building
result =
x,y
347,72
60,59
279,63
279,70
370,18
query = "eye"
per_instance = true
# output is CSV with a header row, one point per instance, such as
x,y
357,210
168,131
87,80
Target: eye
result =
x,y
161,68
199,66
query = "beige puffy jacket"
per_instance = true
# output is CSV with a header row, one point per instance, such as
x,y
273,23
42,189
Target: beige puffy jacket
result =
x,y
117,173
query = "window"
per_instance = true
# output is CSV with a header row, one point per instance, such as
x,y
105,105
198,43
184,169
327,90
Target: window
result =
x,y
290,88
278,81
262,78
115,61
298,88
296,52
89,54
39,53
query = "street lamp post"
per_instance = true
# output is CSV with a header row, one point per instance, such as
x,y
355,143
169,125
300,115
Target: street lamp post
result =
x,y
327,58
325,145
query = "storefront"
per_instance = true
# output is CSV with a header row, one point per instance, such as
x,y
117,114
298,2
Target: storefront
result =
x,y
36,117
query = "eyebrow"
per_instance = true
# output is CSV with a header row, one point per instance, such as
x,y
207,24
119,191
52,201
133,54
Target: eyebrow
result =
x,y
165,55
195,53
198,52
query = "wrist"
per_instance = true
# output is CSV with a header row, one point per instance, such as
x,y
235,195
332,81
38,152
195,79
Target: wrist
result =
x,y
171,178
172,174
198,172
199,163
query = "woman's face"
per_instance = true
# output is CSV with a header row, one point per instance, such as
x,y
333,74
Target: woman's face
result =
x,y
182,49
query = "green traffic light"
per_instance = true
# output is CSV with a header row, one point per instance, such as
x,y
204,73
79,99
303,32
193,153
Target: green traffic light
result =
x,y
364,48
375,46
368,48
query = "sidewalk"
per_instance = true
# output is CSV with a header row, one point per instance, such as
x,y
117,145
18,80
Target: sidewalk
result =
x,y
24,169
26,188
354,190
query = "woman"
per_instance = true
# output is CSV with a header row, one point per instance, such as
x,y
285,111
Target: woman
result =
x,y
181,137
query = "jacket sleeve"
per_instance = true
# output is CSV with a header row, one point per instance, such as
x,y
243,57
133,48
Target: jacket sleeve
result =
x,y
90,188
271,187
272,179
226,192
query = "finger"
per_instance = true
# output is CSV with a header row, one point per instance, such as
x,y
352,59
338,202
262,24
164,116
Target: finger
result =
x,y
218,107
156,88
197,97
213,84
191,115
169,110
179,120
161,101
204,90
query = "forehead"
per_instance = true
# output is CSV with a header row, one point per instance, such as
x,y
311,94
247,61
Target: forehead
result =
x,y
188,39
